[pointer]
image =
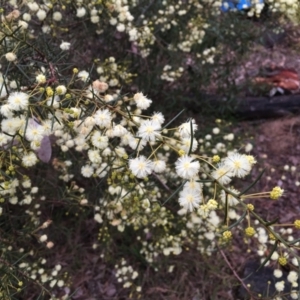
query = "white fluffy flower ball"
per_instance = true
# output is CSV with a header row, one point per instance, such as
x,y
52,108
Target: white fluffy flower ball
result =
x,y
65,46
140,166
187,167
141,101
18,101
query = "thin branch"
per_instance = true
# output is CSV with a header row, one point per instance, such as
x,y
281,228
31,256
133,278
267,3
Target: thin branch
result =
x,y
160,181
235,273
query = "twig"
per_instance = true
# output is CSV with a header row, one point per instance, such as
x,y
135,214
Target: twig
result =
x,y
235,273
160,181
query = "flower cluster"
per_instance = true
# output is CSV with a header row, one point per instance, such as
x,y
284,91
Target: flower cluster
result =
x,y
73,145
126,149
171,75
126,274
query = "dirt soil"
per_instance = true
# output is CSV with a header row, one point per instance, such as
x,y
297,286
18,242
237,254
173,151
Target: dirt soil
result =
x,y
277,149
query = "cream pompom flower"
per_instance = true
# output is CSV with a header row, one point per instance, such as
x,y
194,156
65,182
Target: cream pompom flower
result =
x,y
185,128
141,101
149,131
12,125
189,199
126,138
34,131
41,14
18,101
65,46
61,90
238,164
158,117
83,75
99,141
277,273
5,110
3,139
119,130
40,78
29,159
81,11
140,166
186,167
94,156
194,186
10,56
159,166
292,277
103,118
57,16
222,174
279,286
87,171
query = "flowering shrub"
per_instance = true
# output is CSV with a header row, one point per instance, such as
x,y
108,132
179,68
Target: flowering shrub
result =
x,y
73,147
289,8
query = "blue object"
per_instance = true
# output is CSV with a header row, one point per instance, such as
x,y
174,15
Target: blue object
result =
x,y
238,4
